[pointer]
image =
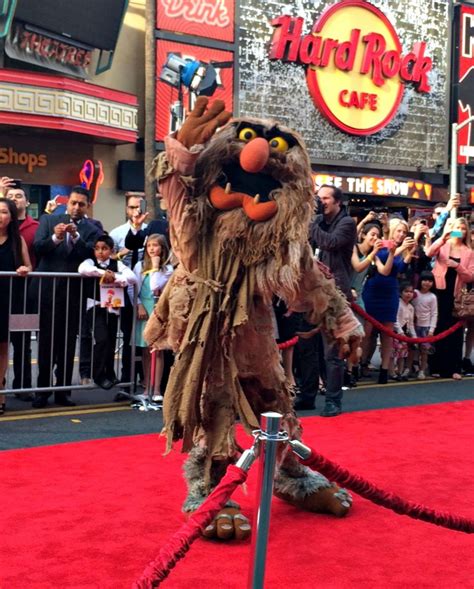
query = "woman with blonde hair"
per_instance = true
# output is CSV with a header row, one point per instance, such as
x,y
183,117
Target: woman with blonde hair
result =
x,y
381,290
453,269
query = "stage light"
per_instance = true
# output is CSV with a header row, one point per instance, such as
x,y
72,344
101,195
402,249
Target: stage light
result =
x,y
198,77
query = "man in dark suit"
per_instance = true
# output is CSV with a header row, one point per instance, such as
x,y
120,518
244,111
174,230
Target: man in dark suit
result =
x,y
61,242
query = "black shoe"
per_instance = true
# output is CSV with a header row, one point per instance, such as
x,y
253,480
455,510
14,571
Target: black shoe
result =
x,y
105,383
39,402
383,376
303,404
64,402
330,410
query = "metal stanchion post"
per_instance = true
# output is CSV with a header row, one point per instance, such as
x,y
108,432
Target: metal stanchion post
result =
x,y
269,439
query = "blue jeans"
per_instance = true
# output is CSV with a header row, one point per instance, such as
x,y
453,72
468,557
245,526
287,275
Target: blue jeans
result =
x,y
334,372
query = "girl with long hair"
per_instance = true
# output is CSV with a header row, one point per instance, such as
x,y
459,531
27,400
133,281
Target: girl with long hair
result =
x,y
152,274
13,257
453,269
381,291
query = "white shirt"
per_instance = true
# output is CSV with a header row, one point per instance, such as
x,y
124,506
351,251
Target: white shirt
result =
x,y
119,234
426,309
123,277
405,319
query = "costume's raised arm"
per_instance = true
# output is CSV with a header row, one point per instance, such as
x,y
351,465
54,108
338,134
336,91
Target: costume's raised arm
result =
x,y
174,171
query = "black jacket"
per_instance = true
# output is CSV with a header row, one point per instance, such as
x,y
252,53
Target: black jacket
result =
x,y
61,257
336,241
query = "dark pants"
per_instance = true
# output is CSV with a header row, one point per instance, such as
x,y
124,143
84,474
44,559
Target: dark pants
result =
x,y
307,367
21,342
86,345
126,325
59,324
335,368
105,336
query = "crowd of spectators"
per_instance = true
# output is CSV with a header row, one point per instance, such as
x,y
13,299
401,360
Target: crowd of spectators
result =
x,y
404,273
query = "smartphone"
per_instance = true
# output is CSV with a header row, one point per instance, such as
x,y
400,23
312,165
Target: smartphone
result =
x,y
423,222
16,183
387,243
142,206
411,235
456,233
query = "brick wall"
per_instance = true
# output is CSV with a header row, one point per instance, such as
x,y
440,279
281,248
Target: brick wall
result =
x,y
416,137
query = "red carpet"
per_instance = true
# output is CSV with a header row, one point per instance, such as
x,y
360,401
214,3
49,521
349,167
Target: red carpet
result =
x,y
91,515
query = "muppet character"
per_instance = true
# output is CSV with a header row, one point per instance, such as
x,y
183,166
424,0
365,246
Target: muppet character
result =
x,y
239,204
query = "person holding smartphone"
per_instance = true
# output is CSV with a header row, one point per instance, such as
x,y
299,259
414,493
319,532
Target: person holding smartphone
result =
x,y
453,269
381,291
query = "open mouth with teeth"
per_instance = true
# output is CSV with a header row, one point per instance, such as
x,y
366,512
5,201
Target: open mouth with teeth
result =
x,y
250,191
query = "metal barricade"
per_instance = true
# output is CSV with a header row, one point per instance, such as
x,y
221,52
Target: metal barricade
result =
x,y
51,330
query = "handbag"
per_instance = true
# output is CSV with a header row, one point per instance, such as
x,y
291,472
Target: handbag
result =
x,y
464,304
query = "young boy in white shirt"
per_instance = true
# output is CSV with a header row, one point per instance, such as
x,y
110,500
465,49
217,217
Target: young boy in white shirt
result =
x,y
104,319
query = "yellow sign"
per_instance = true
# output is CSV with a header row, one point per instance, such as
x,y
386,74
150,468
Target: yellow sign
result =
x,y
355,68
8,156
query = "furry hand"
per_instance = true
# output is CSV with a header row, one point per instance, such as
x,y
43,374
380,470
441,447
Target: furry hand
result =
x,y
201,123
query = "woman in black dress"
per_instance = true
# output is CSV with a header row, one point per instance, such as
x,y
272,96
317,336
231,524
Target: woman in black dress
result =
x,y
13,257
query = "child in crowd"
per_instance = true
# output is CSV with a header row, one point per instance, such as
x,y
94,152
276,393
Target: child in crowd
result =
x,y
104,319
426,317
403,325
152,274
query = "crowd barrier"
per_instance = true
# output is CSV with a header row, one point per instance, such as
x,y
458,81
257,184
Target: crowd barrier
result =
x,y
51,333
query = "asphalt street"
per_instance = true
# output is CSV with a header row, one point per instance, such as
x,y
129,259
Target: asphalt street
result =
x,y
97,417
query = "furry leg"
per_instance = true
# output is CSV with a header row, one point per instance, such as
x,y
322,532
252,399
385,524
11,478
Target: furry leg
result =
x,y
195,475
308,489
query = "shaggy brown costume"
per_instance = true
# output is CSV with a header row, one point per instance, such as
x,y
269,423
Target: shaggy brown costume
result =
x,y
215,311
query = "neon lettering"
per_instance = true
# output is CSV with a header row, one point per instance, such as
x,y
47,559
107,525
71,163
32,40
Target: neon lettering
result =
x,y
213,13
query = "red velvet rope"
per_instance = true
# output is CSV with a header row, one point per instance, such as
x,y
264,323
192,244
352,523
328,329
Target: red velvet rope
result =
x,y
403,338
181,541
289,343
389,500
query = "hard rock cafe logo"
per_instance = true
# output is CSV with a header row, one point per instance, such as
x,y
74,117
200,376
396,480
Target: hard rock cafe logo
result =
x,y
209,12
355,68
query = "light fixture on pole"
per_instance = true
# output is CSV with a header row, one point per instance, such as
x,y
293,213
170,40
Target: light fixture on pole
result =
x,y
198,77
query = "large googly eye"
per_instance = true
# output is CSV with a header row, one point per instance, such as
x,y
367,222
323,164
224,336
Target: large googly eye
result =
x,y
279,144
247,134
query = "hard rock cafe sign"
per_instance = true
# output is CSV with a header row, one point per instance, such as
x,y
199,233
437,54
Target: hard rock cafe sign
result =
x,y
355,66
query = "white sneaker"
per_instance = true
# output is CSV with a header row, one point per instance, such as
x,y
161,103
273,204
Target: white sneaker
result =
x,y
157,398
421,375
406,373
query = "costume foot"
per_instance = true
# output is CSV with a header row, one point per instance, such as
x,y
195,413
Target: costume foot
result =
x,y
228,524
329,500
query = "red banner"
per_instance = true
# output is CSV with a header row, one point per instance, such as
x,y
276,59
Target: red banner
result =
x,y
168,101
213,19
465,106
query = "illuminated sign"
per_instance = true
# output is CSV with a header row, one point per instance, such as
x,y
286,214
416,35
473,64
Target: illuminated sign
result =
x,y
355,67
378,186
91,177
8,156
43,51
213,19
465,82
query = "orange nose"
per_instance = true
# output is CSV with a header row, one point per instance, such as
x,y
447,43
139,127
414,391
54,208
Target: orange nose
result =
x,y
254,155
